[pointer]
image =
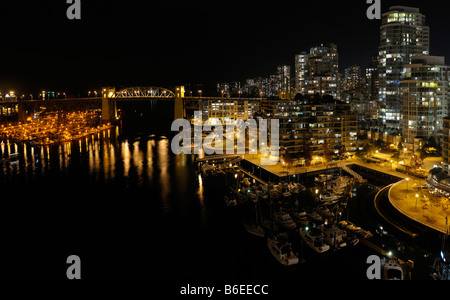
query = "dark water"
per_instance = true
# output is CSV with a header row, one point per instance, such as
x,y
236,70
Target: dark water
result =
x,y
130,209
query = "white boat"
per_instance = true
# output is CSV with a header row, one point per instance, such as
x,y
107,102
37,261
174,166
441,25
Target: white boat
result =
x,y
285,221
315,217
334,236
255,230
328,197
282,251
340,183
293,189
393,270
323,178
300,217
314,238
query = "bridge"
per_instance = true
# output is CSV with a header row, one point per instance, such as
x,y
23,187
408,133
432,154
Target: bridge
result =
x,y
108,102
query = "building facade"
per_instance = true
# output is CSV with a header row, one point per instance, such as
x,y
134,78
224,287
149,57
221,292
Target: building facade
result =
x,y
318,71
425,95
403,34
313,127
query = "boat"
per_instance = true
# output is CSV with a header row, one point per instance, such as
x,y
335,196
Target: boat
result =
x,y
334,236
340,183
324,212
295,188
230,202
347,225
393,270
261,194
351,239
285,221
315,217
300,217
256,230
329,197
365,234
282,251
323,178
253,197
314,238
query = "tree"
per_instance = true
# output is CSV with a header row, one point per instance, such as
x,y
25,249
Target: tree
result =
x,y
308,155
396,156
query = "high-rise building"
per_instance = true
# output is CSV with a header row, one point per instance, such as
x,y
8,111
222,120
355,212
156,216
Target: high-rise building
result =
x,y
284,81
323,64
313,126
352,78
317,72
425,95
372,79
403,34
301,72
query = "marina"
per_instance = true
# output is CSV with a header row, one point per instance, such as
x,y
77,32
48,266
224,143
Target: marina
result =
x,y
312,212
317,213
53,128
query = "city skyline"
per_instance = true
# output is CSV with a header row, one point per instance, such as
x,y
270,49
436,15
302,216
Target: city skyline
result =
x,y
125,44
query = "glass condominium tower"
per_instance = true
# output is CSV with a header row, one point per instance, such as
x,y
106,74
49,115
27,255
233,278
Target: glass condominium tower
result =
x,y
403,34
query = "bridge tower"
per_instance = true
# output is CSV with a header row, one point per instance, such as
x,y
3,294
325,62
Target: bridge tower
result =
x,y
109,108
179,106
21,111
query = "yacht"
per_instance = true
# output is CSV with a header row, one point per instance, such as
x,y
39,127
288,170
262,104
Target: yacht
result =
x,y
334,236
300,217
324,212
285,221
315,217
314,238
256,230
323,178
282,251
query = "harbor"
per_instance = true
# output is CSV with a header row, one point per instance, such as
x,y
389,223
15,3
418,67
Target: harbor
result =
x,y
300,215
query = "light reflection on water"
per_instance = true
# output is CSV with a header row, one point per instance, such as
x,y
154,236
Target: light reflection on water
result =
x,y
108,160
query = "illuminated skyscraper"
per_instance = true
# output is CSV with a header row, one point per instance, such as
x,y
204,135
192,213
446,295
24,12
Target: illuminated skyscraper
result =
x,y
403,34
317,72
301,72
284,81
425,94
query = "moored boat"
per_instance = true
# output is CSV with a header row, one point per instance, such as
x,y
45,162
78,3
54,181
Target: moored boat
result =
x,y
315,239
282,250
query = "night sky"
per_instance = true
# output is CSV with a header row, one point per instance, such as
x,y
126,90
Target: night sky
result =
x,y
164,43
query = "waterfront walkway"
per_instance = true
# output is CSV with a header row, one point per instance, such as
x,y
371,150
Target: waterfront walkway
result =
x,y
282,170
412,199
